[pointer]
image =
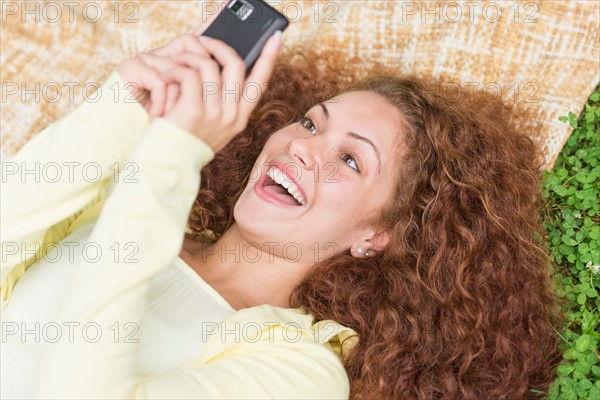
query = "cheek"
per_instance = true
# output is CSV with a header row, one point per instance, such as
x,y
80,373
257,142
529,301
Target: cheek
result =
x,y
341,196
283,135
276,144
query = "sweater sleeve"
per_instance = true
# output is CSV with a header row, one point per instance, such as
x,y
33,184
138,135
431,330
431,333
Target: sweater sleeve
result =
x,y
65,166
281,362
140,231
107,298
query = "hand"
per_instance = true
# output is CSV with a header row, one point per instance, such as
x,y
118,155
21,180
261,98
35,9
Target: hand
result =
x,y
142,72
213,105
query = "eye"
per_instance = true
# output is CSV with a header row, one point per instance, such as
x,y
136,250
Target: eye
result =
x,y
307,123
351,157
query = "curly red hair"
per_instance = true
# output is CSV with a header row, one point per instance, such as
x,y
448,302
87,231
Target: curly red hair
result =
x,y
460,304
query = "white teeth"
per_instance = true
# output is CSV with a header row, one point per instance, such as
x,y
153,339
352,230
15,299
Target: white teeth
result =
x,y
282,180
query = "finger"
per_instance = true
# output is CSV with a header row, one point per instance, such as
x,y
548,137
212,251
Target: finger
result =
x,y
160,63
261,71
234,68
189,82
211,78
211,13
144,101
152,82
158,95
185,43
172,95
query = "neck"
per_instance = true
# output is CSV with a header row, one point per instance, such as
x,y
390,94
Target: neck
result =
x,y
245,274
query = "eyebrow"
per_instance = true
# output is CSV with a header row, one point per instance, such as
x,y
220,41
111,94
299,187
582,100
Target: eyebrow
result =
x,y
357,136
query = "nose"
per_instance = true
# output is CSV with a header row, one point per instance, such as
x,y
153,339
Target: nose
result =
x,y
301,150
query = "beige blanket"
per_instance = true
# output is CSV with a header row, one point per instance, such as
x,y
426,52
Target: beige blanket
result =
x,y
540,57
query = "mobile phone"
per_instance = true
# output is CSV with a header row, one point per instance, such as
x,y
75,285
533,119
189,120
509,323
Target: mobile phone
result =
x,y
246,25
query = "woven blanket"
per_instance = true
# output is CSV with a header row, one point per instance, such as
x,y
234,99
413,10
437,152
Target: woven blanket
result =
x,y
540,57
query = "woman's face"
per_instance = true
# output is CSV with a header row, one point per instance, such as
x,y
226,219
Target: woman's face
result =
x,y
342,159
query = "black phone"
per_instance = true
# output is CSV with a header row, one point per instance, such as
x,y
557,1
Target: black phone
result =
x,y
246,25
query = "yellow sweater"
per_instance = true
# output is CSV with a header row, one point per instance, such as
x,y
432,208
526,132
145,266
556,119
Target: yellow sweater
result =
x,y
146,206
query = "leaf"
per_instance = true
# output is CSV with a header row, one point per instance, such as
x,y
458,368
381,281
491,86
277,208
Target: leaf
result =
x,y
583,343
584,194
573,236
585,258
594,393
574,270
582,177
568,390
588,203
565,249
560,190
576,377
583,386
583,249
582,367
590,291
568,241
566,369
571,354
562,173
589,117
558,258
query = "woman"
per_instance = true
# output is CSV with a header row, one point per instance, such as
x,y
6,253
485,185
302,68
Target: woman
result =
x,y
404,239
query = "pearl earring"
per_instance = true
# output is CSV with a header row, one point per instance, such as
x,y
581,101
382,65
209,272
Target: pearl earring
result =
x,y
362,252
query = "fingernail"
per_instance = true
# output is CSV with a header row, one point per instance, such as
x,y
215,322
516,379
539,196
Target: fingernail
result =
x,y
277,35
205,39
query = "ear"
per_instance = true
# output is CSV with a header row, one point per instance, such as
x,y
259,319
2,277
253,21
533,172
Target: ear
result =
x,y
380,240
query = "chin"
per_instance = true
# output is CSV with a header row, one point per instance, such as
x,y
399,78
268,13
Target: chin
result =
x,y
256,223
250,217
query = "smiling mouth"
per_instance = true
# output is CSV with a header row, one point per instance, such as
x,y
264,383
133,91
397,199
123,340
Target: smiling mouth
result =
x,y
276,185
